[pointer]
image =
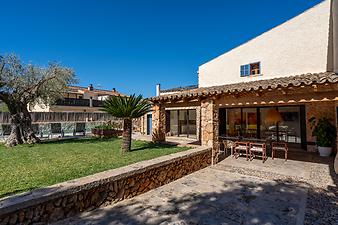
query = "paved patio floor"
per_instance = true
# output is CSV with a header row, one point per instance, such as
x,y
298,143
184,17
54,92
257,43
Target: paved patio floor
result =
x,y
233,192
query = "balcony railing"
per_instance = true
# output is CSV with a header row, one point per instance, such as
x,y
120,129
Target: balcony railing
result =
x,y
73,102
79,102
97,103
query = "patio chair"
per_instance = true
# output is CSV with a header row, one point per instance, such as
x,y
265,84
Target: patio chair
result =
x,y
80,128
258,148
240,147
229,145
279,146
55,128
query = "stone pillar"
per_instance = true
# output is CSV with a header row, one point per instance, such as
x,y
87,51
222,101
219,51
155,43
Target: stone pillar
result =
x,y
209,123
198,123
158,123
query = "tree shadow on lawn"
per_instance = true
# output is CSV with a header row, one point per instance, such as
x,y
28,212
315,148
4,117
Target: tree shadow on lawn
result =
x,y
83,140
143,145
136,145
238,202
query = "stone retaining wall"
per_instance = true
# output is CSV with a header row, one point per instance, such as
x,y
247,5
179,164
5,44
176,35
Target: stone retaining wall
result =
x,y
69,198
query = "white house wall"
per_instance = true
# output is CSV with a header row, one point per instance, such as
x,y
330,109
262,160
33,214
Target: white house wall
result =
x,y
298,46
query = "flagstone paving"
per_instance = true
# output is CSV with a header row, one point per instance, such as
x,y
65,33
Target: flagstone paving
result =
x,y
233,192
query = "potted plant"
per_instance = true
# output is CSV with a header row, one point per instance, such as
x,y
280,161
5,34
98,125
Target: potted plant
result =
x,y
106,130
325,134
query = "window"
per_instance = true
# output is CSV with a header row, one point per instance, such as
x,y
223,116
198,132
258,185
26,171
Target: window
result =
x,y
251,69
245,70
255,122
255,69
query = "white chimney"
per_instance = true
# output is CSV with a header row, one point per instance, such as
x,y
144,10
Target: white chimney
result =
x,y
158,89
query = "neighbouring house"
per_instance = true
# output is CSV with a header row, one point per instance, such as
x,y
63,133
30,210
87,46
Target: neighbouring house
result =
x,y
78,99
289,72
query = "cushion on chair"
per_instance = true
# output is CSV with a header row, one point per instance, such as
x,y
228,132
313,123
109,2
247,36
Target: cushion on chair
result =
x,y
279,148
256,149
240,147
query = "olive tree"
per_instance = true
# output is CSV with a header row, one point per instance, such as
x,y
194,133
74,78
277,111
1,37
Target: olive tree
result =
x,y
22,86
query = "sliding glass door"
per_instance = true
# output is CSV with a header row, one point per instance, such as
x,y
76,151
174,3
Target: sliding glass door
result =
x,y
290,126
233,122
192,122
249,122
182,123
173,127
283,123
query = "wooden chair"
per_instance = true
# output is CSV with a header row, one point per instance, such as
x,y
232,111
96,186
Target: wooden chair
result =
x,y
229,145
279,146
240,147
258,148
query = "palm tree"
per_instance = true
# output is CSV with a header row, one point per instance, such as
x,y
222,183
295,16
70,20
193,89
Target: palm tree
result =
x,y
126,107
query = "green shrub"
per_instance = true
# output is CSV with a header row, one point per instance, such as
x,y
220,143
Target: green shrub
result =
x,y
324,131
105,127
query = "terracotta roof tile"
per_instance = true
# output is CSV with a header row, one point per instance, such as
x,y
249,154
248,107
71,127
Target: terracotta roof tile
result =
x,y
295,81
186,88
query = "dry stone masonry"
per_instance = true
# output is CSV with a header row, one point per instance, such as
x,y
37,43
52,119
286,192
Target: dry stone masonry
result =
x,y
70,198
209,122
158,121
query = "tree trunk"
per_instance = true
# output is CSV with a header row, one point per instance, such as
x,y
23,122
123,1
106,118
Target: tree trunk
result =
x,y
15,136
21,125
126,136
29,135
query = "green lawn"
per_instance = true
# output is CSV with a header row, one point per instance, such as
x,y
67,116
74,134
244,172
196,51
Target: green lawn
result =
x,y
27,167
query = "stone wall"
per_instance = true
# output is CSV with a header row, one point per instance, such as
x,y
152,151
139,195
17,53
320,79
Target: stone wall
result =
x,y
137,125
158,123
70,198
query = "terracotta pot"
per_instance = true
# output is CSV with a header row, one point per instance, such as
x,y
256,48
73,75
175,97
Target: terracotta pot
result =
x,y
106,133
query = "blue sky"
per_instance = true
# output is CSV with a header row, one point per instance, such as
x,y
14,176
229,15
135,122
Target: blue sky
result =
x,y
131,45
